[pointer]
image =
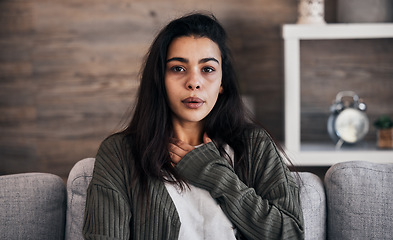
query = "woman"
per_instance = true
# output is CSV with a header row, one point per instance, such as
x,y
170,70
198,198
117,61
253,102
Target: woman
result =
x,y
190,164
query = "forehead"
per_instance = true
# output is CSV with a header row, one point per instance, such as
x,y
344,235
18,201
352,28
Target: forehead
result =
x,y
193,47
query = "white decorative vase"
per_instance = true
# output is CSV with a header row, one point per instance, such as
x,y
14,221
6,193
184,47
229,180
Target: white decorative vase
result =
x,y
311,12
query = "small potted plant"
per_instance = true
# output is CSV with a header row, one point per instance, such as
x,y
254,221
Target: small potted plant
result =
x,y
384,124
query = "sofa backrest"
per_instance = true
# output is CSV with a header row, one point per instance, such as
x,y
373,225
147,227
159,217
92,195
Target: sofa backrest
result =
x,y
32,206
313,201
360,200
311,192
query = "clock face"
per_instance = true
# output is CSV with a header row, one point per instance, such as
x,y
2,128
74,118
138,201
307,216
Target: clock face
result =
x,y
351,125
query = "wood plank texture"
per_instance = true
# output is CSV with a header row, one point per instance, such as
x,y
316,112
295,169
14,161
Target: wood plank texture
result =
x,y
69,70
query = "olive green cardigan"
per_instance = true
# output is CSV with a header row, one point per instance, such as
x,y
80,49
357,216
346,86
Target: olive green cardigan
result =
x,y
267,209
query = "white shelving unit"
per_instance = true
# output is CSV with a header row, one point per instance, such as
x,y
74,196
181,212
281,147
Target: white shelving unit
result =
x,y
317,155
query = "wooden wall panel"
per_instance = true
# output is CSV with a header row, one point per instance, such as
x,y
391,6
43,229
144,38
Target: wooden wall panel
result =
x,y
69,69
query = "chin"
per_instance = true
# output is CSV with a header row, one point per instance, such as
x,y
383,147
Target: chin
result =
x,y
193,118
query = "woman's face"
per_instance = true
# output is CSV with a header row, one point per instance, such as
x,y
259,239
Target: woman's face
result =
x,y
193,77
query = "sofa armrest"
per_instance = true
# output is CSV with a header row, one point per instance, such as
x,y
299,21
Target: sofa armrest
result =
x,y
360,200
32,206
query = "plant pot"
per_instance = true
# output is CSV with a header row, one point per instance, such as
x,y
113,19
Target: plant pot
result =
x,y
385,138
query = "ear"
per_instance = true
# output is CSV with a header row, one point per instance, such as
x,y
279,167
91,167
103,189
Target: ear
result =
x,y
221,90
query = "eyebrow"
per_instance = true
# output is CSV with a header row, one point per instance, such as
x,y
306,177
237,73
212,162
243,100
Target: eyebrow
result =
x,y
184,60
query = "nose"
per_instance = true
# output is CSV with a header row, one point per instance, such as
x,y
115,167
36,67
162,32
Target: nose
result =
x,y
193,86
194,82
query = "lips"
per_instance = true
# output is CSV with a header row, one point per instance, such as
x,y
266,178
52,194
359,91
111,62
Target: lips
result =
x,y
193,102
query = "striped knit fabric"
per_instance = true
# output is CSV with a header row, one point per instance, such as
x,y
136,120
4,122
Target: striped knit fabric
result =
x,y
267,209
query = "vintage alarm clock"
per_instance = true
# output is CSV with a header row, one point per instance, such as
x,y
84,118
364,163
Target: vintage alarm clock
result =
x,y
348,122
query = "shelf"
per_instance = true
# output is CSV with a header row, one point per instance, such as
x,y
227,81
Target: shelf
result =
x,y
337,31
328,158
304,154
329,146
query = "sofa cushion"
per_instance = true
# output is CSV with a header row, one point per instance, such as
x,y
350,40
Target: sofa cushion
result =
x,y
78,181
32,206
360,200
313,202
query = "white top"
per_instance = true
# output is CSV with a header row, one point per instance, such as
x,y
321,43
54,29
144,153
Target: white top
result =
x,y
200,215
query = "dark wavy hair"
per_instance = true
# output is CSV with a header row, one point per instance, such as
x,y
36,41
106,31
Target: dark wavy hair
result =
x,y
151,126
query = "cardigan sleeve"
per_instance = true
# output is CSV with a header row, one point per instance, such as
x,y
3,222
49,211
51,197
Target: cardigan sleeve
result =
x,y
270,208
107,210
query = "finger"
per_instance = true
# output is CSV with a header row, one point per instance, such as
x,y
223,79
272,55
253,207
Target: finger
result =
x,y
177,153
176,150
174,158
206,138
183,145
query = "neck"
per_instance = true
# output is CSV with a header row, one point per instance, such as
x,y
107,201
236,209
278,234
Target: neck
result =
x,y
191,133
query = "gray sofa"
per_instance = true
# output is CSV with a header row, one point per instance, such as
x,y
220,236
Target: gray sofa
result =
x,y
354,202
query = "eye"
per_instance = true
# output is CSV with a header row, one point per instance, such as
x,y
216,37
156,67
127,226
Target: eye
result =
x,y
177,69
208,69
